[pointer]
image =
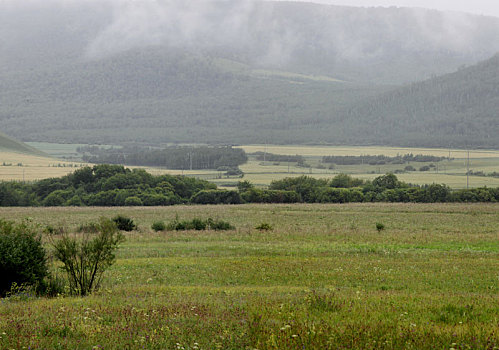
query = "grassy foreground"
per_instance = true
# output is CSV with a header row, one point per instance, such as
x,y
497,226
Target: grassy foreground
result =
x,y
324,278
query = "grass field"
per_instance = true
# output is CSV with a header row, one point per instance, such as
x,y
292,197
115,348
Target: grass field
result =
x,y
324,278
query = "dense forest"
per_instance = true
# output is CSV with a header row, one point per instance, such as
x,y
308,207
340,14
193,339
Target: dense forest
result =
x,y
114,185
287,73
193,158
458,109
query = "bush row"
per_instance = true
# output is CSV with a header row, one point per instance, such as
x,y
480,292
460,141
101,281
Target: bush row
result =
x,y
110,185
194,224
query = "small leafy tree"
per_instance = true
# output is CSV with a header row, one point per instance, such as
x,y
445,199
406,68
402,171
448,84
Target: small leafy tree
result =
x,y
22,257
158,226
264,226
124,223
86,258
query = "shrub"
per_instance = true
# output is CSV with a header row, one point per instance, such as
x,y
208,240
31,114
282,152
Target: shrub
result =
x,y
158,226
199,225
264,226
22,257
380,227
219,225
85,259
124,223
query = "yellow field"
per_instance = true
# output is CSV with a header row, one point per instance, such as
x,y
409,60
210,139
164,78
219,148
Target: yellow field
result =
x,y
452,173
24,167
320,151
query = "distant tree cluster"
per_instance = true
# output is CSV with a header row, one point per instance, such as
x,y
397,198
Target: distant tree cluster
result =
x,y
103,185
278,157
175,157
380,159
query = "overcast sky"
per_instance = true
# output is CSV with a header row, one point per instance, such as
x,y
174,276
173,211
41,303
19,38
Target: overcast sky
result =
x,y
482,7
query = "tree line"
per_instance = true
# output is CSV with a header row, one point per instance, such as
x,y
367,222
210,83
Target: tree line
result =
x,y
115,185
381,159
174,157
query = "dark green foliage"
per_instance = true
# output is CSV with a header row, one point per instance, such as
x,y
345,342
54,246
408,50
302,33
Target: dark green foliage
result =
x,y
85,258
339,195
305,186
217,197
133,201
345,181
174,157
255,195
387,182
219,225
264,226
158,226
22,257
243,186
124,223
116,186
380,159
270,157
380,227
199,225
103,185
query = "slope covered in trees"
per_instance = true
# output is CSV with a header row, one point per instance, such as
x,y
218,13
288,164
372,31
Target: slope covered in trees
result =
x,y
458,109
231,72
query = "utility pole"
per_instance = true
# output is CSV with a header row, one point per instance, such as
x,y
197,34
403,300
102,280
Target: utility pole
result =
x,y
468,171
265,153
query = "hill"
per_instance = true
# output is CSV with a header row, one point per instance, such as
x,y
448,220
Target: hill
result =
x,y
220,72
8,144
458,109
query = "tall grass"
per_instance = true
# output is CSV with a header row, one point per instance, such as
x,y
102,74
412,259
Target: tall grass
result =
x,y
324,278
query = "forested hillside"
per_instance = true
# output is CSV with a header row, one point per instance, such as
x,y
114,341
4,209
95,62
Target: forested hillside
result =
x,y
235,72
455,110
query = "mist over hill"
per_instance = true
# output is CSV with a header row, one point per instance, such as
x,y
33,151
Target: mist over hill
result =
x,y
222,72
459,109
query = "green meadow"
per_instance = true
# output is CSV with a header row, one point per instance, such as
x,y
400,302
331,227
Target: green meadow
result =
x,y
323,278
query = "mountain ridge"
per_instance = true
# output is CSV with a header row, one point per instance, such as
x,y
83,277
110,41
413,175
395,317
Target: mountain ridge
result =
x,y
257,73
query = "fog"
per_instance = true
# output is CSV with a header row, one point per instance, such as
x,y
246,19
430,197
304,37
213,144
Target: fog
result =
x,y
289,36
480,7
